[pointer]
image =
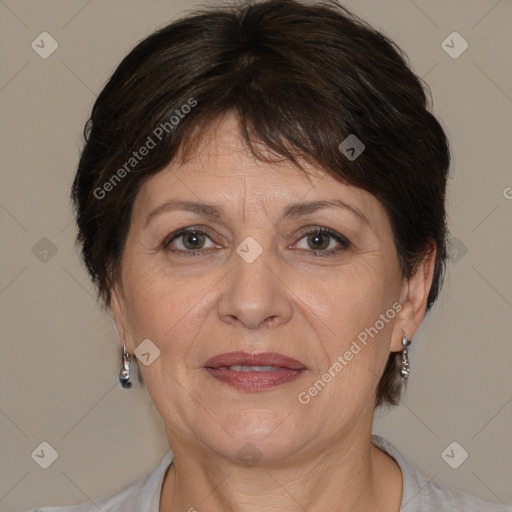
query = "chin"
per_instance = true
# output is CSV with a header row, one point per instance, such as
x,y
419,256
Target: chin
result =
x,y
257,435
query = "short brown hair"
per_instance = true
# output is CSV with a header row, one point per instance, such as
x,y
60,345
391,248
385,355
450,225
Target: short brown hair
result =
x,y
301,78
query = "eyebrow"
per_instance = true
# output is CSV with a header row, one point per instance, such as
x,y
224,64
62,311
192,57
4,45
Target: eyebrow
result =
x,y
214,212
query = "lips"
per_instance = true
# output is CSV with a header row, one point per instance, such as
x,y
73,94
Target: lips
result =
x,y
245,359
254,372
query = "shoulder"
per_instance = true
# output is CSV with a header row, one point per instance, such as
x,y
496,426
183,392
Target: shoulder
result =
x,y
434,495
422,495
142,495
124,500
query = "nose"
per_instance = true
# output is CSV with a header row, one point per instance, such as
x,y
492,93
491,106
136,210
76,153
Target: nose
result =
x,y
255,295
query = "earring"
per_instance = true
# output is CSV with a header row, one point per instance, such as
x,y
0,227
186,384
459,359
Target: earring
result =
x,y
124,374
406,367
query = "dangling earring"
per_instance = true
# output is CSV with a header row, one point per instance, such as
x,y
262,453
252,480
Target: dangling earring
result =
x,y
124,374
406,367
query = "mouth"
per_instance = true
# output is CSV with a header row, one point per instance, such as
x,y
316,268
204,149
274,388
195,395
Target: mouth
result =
x,y
254,372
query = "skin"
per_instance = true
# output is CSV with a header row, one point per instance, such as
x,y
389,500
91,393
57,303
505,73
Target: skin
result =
x,y
313,457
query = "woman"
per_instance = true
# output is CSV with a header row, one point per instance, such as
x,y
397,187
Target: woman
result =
x,y
260,202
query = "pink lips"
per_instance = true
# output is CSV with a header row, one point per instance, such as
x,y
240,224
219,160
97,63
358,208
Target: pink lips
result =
x,y
285,370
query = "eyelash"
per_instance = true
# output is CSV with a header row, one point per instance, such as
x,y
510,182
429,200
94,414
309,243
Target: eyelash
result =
x,y
317,230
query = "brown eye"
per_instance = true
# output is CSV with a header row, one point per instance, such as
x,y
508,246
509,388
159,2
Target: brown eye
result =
x,y
193,240
186,241
320,239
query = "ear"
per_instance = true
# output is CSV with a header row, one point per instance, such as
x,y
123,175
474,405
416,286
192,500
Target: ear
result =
x,y
413,299
117,304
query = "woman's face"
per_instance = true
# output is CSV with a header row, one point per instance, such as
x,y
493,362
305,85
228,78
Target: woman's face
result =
x,y
256,286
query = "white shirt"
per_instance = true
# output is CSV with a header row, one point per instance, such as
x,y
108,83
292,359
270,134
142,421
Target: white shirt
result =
x,y
419,494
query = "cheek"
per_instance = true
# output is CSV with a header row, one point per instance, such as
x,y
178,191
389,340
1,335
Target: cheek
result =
x,y
351,299
356,321
169,310
171,314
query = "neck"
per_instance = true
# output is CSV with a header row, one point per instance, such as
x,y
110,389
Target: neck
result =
x,y
352,475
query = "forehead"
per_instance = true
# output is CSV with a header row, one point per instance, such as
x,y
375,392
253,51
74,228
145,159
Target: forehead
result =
x,y
223,170
222,152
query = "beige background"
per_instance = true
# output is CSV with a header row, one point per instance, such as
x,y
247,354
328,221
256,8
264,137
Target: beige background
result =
x,y
59,357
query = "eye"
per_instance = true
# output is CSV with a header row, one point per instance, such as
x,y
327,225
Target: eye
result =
x,y
190,240
318,238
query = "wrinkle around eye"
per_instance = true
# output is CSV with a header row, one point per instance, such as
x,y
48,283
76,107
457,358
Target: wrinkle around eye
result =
x,y
181,234
219,236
